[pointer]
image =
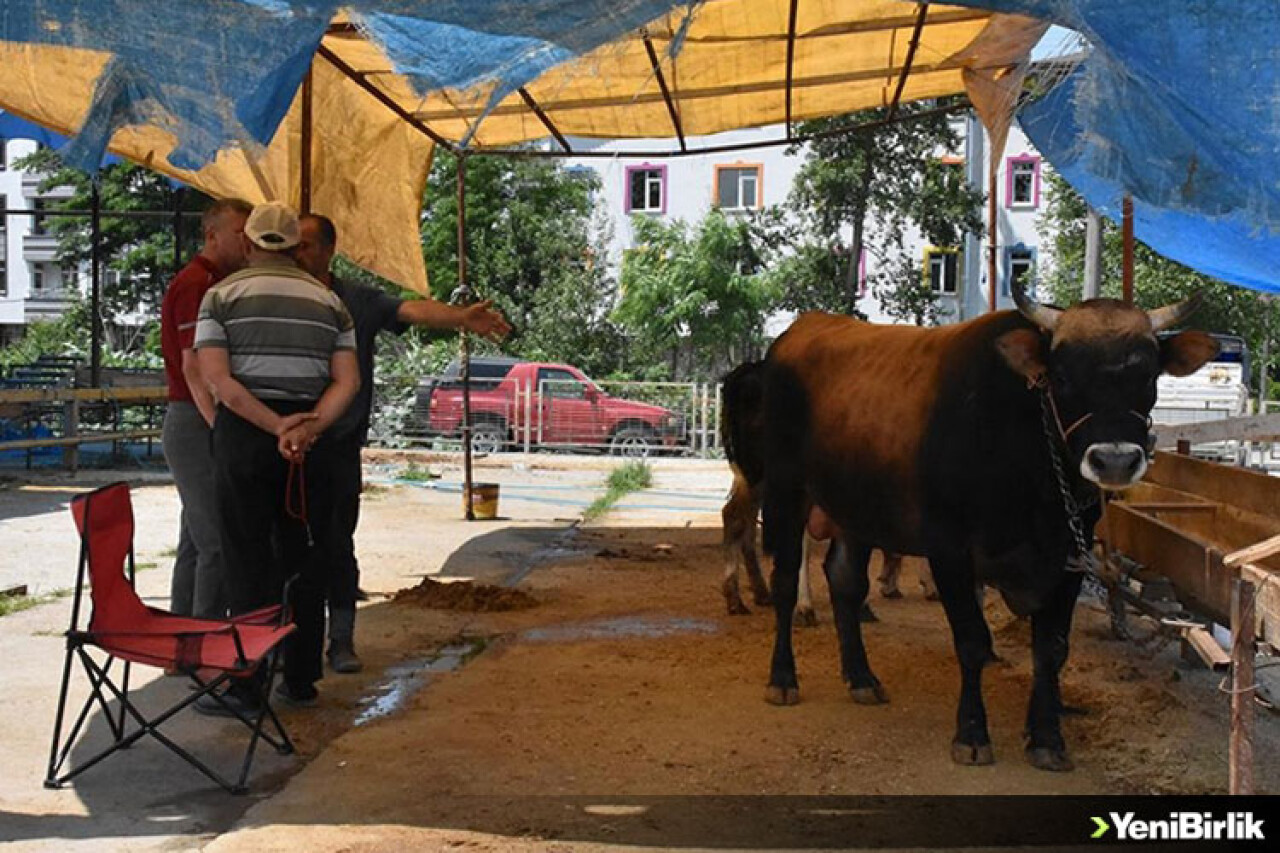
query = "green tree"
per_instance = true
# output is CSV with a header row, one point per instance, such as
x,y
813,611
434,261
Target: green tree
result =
x,y
695,296
138,252
893,175
531,248
1227,308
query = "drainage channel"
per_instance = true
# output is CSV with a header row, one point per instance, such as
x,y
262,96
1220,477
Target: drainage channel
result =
x,y
405,679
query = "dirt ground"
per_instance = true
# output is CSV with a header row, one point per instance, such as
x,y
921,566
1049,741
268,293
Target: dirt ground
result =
x,y
626,707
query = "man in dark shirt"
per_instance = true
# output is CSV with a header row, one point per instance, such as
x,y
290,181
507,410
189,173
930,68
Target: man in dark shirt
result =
x,y
372,311
198,573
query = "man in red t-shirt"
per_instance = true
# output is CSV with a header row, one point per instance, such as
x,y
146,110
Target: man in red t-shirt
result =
x,y
197,587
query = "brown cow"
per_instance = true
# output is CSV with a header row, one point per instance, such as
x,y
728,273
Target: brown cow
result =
x,y
962,444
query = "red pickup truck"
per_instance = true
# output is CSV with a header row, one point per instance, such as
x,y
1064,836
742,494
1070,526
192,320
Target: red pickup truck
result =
x,y
557,402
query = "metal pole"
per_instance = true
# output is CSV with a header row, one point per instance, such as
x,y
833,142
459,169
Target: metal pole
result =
x,y
1092,255
1127,280
95,292
1240,758
464,296
178,196
992,234
304,202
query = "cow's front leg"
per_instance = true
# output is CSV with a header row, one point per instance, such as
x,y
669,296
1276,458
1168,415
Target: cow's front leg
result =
x,y
846,570
1050,638
784,687
954,577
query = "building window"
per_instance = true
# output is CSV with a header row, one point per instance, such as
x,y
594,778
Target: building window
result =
x,y
942,270
646,189
37,278
1022,183
4,217
738,187
1019,265
4,277
4,153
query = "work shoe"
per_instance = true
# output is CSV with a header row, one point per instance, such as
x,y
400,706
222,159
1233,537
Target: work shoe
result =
x,y
227,703
343,658
297,696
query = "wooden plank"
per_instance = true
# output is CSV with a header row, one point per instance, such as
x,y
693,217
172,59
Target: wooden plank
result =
x,y
1253,428
1213,655
149,393
1193,566
1243,688
1172,507
1253,553
84,438
13,591
1224,484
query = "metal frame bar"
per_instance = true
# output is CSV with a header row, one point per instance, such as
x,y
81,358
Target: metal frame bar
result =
x,y
666,93
791,56
910,59
546,122
383,98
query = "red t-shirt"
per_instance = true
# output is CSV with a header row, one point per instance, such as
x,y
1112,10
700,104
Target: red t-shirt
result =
x,y
178,314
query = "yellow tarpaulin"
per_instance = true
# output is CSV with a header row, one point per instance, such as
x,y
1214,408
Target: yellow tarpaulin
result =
x,y
738,63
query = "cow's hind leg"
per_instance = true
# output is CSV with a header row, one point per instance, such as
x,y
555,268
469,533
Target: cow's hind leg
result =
x,y
890,572
738,519
805,617
1050,633
953,574
846,570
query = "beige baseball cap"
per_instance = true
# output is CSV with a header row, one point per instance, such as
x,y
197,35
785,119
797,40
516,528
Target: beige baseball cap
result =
x,y
272,226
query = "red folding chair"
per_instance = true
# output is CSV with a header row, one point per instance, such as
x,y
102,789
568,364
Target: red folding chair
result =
x,y
212,653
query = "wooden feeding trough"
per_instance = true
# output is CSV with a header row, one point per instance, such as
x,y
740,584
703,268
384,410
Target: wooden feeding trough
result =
x,y
1213,532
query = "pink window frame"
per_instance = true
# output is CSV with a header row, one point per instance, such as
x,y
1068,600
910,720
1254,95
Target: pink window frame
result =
x,y
1035,181
644,167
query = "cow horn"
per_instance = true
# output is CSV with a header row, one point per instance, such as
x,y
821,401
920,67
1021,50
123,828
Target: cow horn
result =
x,y
1042,315
1172,315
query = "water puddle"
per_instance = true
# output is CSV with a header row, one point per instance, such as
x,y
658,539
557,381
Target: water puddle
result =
x,y
407,678
645,627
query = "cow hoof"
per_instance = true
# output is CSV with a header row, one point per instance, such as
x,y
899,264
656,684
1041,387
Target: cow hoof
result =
x,y
737,608
806,618
968,754
762,599
1044,758
866,615
874,695
931,596
891,593
782,695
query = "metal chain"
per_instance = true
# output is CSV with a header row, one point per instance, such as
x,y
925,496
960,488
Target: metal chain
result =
x,y
1083,560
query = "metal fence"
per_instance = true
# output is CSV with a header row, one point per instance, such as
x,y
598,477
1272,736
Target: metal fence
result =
x,y
623,418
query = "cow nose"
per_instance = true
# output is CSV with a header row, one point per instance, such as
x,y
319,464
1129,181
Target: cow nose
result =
x,y
1117,465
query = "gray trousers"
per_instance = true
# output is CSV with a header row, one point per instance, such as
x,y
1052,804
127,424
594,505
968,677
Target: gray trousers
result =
x,y
198,572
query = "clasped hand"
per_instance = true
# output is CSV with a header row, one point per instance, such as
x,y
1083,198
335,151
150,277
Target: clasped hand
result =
x,y
295,435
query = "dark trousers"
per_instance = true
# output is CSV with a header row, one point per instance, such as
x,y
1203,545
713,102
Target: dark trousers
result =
x,y
344,580
263,542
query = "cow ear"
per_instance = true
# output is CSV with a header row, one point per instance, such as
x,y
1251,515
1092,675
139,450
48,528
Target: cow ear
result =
x,y
1022,350
1186,352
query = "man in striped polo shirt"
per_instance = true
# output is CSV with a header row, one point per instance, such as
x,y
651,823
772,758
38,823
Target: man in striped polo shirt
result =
x,y
279,350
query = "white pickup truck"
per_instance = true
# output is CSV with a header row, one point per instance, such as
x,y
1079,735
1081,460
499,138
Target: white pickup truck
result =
x,y
1217,390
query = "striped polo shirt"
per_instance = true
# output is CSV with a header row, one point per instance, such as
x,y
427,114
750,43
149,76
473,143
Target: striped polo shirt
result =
x,y
280,327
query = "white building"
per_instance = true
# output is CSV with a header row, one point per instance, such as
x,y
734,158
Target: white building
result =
x,y
687,187
32,284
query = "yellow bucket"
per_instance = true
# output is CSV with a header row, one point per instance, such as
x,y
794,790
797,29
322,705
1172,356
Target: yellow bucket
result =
x,y
483,498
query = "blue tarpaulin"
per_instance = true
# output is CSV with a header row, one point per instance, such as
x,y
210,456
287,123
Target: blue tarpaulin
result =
x,y
223,72
1178,104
